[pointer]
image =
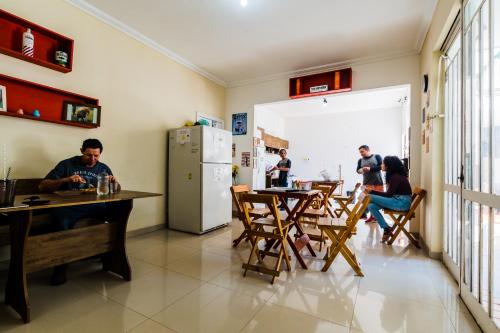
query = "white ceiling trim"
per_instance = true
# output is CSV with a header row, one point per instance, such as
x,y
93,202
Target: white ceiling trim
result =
x,y
323,68
99,14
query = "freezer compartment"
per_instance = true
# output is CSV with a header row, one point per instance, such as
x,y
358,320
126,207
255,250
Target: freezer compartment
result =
x,y
216,195
216,146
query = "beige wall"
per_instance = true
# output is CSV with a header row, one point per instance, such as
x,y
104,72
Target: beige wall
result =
x,y
432,162
142,93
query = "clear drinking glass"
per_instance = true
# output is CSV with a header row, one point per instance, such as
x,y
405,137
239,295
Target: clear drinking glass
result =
x,y
103,184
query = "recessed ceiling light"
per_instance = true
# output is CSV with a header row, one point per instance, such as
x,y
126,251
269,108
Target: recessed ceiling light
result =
x,y
244,3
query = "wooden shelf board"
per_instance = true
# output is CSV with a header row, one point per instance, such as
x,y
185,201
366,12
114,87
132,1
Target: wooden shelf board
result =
x,y
60,122
33,60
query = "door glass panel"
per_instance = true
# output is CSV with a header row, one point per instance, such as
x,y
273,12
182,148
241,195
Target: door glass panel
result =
x,y
467,111
496,98
475,103
476,227
485,101
484,258
496,268
467,278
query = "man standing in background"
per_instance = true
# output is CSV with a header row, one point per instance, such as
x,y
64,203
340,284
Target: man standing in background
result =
x,y
369,165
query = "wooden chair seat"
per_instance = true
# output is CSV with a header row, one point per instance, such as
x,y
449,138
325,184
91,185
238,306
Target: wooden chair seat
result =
x,y
312,212
397,212
259,212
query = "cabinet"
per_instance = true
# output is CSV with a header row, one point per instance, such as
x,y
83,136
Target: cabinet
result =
x,y
322,83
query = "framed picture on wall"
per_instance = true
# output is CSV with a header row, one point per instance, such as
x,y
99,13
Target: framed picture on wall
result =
x,y
81,113
3,98
239,124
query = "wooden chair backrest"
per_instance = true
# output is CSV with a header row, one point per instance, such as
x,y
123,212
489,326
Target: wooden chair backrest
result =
x,y
236,192
357,211
270,200
324,196
353,194
340,188
28,186
417,196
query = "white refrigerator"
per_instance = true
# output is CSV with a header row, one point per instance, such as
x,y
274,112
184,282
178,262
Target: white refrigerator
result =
x,y
199,178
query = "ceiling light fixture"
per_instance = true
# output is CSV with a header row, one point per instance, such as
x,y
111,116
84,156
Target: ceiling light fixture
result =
x,y
325,102
244,3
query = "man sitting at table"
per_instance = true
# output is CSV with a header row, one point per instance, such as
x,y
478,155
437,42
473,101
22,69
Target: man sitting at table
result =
x,y
75,173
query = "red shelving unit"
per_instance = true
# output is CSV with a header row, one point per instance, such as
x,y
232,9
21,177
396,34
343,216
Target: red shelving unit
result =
x,y
47,42
336,81
29,96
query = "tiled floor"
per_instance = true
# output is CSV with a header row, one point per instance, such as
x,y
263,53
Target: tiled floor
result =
x,y
187,283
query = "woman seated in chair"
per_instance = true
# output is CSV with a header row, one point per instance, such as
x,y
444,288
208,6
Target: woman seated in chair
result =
x,y
397,197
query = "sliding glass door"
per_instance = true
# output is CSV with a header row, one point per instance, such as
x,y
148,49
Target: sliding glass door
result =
x,y
480,239
453,156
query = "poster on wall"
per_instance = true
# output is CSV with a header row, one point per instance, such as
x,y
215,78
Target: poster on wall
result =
x,y
245,159
239,124
234,149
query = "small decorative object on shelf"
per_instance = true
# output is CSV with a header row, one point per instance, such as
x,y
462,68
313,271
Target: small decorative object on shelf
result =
x,y
81,113
3,98
61,58
36,113
28,43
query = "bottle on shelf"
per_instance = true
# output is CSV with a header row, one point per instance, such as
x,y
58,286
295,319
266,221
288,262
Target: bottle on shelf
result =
x,y
28,43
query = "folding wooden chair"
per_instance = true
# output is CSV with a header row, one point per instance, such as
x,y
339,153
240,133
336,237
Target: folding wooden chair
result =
x,y
345,201
340,230
272,229
318,209
236,192
401,218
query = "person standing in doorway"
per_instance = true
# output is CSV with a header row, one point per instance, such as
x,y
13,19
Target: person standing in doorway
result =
x,y
369,165
283,166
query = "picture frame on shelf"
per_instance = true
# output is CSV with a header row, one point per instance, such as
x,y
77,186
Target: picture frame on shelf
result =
x,y
3,98
81,113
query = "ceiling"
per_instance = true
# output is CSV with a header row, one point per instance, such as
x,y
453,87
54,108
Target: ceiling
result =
x,y
232,44
373,99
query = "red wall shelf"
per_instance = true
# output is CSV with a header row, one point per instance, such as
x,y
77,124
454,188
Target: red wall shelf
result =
x,y
29,96
47,42
337,81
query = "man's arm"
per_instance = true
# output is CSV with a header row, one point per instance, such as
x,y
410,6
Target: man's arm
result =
x,y
377,167
358,168
51,185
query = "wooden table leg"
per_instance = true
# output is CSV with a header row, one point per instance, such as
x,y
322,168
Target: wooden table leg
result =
x,y
16,290
297,225
116,261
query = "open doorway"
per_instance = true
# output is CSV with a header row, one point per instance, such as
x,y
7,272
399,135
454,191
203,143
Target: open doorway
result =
x,y
323,133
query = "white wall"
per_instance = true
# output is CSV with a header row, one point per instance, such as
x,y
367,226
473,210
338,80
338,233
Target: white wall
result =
x,y
325,142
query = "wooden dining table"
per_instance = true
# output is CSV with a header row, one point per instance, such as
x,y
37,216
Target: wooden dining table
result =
x,y
31,253
304,197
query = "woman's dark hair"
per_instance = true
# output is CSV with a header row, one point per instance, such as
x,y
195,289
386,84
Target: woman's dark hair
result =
x,y
282,150
393,165
92,143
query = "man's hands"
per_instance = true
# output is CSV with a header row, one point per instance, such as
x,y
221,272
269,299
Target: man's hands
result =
x,y
366,169
75,179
